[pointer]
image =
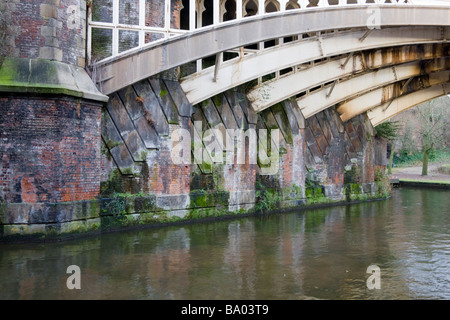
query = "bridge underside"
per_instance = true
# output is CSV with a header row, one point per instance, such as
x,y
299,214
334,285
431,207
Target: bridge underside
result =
x,y
323,81
321,57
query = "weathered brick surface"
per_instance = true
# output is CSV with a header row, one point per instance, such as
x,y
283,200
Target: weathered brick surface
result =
x,y
292,164
49,29
164,176
50,149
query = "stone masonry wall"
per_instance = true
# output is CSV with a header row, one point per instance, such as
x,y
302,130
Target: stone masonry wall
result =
x,y
320,159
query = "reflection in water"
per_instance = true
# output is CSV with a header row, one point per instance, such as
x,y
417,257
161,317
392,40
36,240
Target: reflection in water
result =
x,y
320,254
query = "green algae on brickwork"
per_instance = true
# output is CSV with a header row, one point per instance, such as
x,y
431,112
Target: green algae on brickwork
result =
x,y
292,193
113,185
315,195
204,199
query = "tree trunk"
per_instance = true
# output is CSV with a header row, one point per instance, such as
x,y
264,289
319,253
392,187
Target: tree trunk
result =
x,y
391,159
426,153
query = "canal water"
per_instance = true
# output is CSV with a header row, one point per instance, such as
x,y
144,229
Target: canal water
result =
x,y
316,254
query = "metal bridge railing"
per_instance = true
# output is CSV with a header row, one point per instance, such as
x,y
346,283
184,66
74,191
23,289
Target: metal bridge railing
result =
x,y
117,26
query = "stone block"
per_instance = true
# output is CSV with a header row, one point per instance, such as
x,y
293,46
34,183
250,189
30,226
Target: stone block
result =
x,y
135,108
165,100
241,99
185,108
239,114
50,53
322,144
24,230
122,158
81,62
39,213
17,213
177,213
93,224
84,209
109,131
147,133
48,31
131,102
126,128
73,226
225,112
211,113
289,107
242,197
52,42
153,111
282,122
48,11
171,202
323,122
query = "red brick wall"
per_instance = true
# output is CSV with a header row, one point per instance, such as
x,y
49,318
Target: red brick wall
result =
x,y
167,178
48,29
49,150
292,164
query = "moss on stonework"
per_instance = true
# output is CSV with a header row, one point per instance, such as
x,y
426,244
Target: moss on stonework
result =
x,y
355,188
163,93
202,213
282,150
16,76
199,198
352,174
173,121
315,195
292,193
217,100
314,192
127,171
14,71
111,144
113,185
204,199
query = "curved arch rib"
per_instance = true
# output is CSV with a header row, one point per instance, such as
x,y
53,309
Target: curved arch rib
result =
x,y
361,84
383,97
380,114
201,86
274,91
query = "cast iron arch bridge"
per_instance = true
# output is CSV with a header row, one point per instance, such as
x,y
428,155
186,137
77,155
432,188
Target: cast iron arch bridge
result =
x,y
374,56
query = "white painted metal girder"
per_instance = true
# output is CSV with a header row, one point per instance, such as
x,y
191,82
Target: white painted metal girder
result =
x,y
201,86
381,113
377,97
358,85
137,64
271,92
